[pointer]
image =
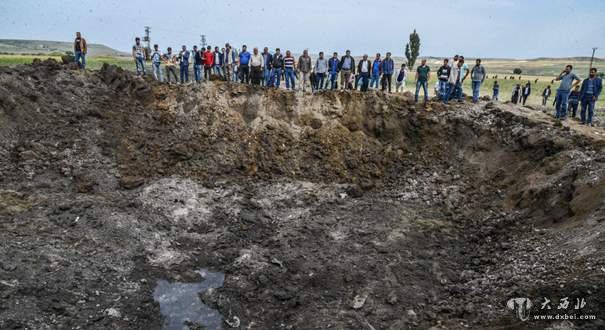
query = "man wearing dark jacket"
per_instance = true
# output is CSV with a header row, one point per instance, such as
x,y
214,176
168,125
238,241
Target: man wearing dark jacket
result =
x,y
197,64
267,58
80,50
443,74
525,92
277,68
347,68
589,93
546,94
333,69
364,68
388,67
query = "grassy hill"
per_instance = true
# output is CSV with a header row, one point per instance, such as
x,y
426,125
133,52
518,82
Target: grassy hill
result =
x,y
45,47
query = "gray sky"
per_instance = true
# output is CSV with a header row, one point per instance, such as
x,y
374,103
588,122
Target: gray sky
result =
x,y
475,28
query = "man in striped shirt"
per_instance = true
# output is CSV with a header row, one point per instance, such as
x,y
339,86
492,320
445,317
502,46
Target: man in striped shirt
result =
x,y
289,64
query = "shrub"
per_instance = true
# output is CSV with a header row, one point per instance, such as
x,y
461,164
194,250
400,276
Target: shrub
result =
x,y
517,71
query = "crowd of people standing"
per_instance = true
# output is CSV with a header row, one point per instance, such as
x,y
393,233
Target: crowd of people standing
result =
x,y
269,69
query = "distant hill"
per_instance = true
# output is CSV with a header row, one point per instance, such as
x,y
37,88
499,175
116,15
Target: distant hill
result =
x,y
13,46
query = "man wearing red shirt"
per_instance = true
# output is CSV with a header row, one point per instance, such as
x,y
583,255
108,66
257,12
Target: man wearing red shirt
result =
x,y
208,63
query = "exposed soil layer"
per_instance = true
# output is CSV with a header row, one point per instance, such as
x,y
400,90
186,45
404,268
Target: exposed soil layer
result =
x,y
341,210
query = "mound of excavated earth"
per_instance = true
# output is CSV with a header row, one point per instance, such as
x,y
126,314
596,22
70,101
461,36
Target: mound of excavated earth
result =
x,y
128,204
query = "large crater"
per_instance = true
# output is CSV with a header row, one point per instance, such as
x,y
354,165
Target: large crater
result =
x,y
341,210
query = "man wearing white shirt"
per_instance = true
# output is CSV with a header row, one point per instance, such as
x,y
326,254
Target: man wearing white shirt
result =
x,y
256,66
364,68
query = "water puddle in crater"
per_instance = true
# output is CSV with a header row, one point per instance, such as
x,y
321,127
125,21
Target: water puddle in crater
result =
x,y
180,303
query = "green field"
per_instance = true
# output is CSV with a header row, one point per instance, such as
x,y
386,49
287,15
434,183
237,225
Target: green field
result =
x,y
543,70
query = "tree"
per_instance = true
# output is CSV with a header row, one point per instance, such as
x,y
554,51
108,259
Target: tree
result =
x,y
517,71
412,49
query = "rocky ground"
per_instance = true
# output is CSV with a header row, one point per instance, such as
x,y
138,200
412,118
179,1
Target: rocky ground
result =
x,y
337,210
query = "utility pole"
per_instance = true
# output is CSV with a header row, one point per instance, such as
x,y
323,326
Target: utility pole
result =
x,y
594,49
147,39
203,41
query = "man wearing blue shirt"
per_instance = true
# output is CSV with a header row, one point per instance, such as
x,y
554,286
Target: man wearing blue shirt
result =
x,y
589,93
568,80
244,65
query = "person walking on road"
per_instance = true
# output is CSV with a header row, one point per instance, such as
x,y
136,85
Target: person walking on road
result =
x,y
80,50
138,55
443,76
478,75
347,68
304,67
423,74
589,93
568,81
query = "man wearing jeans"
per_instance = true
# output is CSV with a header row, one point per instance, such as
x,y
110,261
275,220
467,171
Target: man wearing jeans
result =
x,y
277,68
455,82
567,79
333,68
244,68
477,77
347,68
289,65
376,71
156,61
423,74
80,51
139,56
364,69
184,57
321,67
197,64
228,62
304,67
388,67
589,93
443,75
267,59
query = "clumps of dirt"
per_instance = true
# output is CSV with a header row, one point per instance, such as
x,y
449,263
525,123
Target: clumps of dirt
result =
x,y
340,209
